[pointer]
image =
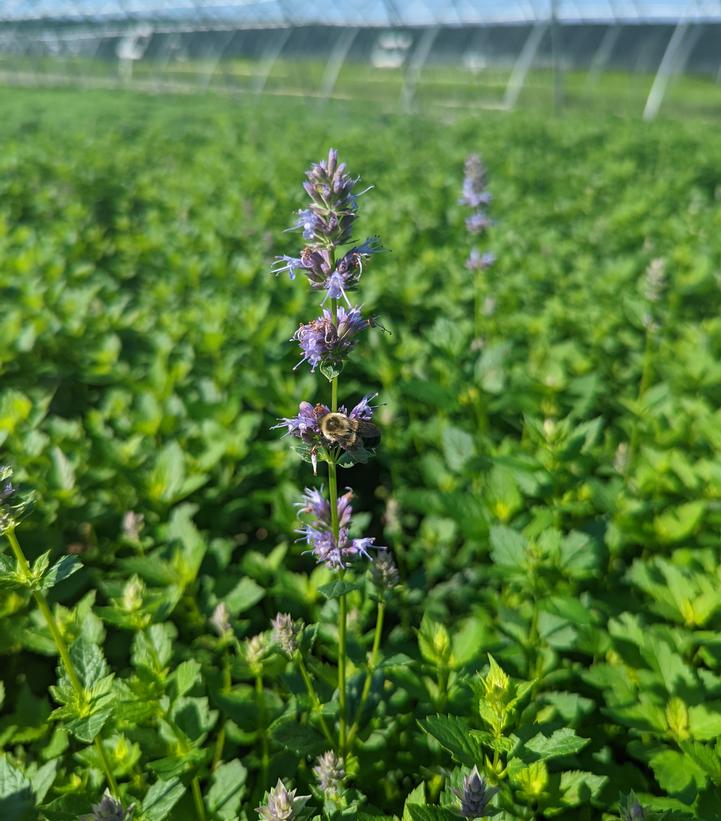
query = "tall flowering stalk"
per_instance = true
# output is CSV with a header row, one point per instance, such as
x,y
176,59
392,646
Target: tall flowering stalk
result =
x,y
38,579
476,197
333,266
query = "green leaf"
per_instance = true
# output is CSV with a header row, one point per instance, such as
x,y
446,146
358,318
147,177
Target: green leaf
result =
x,y
161,798
429,813
152,648
578,788
89,662
561,742
454,734
243,596
704,721
679,523
61,570
675,772
17,802
168,475
227,789
186,675
194,717
338,588
458,447
508,547
298,738
704,758
330,371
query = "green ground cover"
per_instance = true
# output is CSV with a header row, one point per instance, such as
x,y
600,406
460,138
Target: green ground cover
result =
x,y
548,479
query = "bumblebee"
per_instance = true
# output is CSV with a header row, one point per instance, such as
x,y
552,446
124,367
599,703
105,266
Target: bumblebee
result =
x,y
339,429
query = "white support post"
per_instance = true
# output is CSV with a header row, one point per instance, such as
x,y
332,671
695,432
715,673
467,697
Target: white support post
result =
x,y
335,61
415,66
207,77
523,64
603,53
271,54
678,50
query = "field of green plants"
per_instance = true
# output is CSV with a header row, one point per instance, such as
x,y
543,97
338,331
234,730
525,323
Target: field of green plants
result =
x,y
548,479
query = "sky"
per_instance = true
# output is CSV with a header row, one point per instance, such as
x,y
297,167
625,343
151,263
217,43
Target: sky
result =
x,y
360,12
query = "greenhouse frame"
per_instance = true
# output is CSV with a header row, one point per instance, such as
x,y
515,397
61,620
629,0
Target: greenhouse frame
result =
x,y
406,54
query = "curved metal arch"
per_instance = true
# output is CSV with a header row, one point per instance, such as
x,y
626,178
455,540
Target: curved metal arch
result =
x,y
680,45
337,58
415,66
273,50
523,63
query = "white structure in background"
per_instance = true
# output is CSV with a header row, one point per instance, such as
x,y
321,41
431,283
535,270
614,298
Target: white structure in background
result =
x,y
391,49
131,47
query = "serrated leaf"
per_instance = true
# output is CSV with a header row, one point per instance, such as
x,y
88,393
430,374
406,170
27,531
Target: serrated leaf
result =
x,y
161,798
298,738
243,596
227,789
458,447
186,675
61,570
89,662
194,717
578,788
675,771
561,742
17,802
430,813
508,547
704,721
330,371
454,734
338,588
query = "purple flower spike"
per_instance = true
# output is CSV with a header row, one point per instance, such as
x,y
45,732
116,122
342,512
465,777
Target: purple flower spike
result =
x,y
318,533
327,340
477,222
474,183
364,410
480,262
305,426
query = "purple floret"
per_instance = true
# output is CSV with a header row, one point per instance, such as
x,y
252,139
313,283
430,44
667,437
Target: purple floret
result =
x,y
327,340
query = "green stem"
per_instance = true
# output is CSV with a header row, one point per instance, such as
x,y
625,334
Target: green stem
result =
x,y
372,661
62,648
198,798
642,388
342,620
313,697
262,726
184,747
220,741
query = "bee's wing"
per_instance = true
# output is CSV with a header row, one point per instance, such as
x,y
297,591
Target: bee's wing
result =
x,y
367,429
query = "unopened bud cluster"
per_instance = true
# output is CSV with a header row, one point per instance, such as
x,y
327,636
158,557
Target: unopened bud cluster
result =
x,y
282,804
330,774
285,633
475,795
12,507
109,809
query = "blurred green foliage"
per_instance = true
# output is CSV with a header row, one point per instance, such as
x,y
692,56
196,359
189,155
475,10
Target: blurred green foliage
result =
x,y
550,488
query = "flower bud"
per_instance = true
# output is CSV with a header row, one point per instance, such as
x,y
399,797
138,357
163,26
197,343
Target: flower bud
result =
x,y
285,633
282,804
329,773
109,809
475,795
